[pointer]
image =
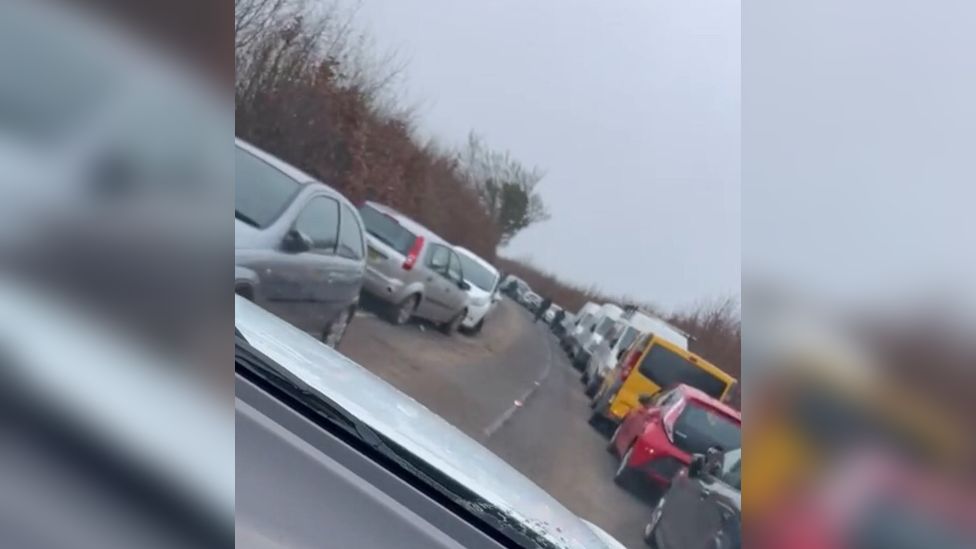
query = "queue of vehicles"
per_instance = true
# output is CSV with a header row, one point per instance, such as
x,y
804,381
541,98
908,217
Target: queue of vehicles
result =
x,y
666,407
325,432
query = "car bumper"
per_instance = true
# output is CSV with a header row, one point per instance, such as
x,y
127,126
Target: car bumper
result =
x,y
475,314
386,288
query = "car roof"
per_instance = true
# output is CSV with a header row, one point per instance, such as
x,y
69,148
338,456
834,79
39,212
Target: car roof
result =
x,y
476,258
407,223
699,396
308,182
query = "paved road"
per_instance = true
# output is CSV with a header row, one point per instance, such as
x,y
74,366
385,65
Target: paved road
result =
x,y
474,382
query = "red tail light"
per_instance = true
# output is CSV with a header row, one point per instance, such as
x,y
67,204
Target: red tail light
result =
x,y
670,417
632,358
418,244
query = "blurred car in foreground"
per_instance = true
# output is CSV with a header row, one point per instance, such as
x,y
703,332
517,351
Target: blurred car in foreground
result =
x,y
873,499
702,508
482,279
412,270
659,438
327,451
299,246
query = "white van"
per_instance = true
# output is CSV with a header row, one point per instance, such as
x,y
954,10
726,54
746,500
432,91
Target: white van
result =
x,y
587,341
634,324
584,317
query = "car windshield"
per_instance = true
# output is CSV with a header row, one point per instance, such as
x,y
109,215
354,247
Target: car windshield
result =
x,y
699,428
387,229
261,191
476,274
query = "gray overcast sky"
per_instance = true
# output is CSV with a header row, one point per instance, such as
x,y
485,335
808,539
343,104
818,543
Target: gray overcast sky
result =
x,y
631,107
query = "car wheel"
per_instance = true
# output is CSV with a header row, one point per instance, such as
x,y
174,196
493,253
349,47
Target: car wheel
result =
x,y
477,327
611,446
622,476
651,526
337,329
401,313
592,388
450,327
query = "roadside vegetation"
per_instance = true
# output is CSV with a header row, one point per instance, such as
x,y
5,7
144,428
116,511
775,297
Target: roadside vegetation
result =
x,y
314,91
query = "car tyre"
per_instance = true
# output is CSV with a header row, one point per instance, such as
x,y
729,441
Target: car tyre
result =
x,y
402,312
451,326
651,526
336,329
592,388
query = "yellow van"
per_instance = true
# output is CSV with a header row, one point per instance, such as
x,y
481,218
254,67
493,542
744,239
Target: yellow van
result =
x,y
651,364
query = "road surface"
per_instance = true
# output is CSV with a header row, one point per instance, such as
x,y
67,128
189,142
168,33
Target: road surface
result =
x,y
511,388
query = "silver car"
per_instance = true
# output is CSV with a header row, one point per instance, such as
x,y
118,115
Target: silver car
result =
x,y
412,270
299,245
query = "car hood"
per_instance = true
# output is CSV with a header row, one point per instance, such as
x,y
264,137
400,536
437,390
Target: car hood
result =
x,y
475,292
412,426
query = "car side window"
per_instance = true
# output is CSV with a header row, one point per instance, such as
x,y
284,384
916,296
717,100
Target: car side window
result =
x,y
350,235
454,268
319,221
438,258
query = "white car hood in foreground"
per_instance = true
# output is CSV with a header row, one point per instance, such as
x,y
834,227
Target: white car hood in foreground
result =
x,y
410,425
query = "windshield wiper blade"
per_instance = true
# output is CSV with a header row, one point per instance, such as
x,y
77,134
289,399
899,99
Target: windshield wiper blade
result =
x,y
245,218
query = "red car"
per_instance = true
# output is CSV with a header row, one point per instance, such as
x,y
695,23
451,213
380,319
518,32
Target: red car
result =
x,y
658,439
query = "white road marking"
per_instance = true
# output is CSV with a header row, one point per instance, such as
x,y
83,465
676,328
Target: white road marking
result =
x,y
494,426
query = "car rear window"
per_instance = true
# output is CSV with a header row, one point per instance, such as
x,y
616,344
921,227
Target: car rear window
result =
x,y
386,229
699,428
666,369
261,191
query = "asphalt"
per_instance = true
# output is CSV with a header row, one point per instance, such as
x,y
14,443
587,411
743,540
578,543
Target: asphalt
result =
x,y
511,388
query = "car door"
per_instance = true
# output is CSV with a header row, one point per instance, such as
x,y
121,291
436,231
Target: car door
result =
x,y
303,279
455,296
350,260
434,305
700,510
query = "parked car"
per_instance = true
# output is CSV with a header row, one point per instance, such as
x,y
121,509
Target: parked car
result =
x,y
702,508
583,317
412,270
326,450
658,438
607,320
516,288
299,245
531,300
550,314
607,354
482,278
652,365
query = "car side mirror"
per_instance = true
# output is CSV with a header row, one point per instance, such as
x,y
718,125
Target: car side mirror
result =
x,y
463,285
296,242
593,328
620,355
613,344
697,466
